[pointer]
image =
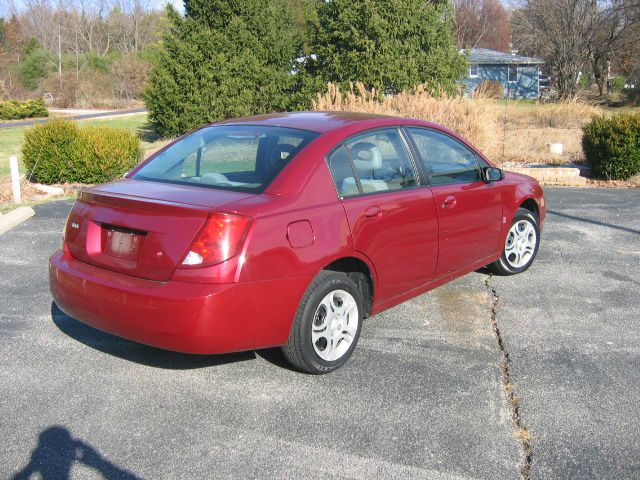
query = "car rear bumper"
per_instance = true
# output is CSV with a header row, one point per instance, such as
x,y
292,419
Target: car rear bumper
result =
x,y
179,316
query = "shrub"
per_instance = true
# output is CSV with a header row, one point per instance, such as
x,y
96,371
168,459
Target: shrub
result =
x,y
632,97
617,84
92,89
612,146
131,76
60,151
14,110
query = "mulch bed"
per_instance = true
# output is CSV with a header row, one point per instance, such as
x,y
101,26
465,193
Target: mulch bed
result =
x,y
634,183
30,194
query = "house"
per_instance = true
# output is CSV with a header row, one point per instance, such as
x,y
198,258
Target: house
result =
x,y
519,76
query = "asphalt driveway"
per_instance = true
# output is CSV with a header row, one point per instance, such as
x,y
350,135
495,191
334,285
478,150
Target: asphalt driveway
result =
x,y
84,116
423,397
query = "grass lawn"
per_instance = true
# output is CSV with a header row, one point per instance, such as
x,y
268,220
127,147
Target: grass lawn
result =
x,y
7,207
11,137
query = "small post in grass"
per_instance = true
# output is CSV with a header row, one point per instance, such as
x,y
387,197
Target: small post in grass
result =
x,y
15,179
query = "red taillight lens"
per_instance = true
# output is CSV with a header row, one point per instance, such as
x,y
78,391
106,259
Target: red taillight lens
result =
x,y
220,239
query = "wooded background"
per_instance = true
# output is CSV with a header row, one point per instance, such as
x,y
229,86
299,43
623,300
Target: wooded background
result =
x,y
98,53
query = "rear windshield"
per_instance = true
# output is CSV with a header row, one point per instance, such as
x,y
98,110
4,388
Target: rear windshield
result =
x,y
243,158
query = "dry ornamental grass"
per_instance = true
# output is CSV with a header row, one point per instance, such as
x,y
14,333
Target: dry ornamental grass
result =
x,y
513,131
472,119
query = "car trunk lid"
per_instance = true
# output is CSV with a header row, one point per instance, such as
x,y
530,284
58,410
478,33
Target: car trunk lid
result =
x,y
144,235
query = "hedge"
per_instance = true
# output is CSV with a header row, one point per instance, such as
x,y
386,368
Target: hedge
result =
x,y
612,146
14,110
59,151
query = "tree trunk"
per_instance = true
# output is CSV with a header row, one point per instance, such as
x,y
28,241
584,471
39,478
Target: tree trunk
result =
x,y
60,53
600,75
603,85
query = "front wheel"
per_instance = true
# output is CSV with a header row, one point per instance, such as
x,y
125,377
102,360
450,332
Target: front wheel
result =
x,y
521,246
327,324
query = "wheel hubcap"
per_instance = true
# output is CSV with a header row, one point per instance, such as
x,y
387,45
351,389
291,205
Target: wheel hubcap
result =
x,y
335,324
521,243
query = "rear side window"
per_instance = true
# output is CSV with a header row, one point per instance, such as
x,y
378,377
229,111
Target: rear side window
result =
x,y
242,157
445,159
342,173
377,161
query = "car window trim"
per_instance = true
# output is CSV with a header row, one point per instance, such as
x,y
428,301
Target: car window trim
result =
x,y
353,169
416,168
382,192
425,176
423,163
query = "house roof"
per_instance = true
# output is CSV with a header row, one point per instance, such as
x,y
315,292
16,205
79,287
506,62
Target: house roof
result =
x,y
493,57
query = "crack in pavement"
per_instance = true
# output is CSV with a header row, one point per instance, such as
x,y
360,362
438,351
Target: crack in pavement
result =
x,y
559,250
522,434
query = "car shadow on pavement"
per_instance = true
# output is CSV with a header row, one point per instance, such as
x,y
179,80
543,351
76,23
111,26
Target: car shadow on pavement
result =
x,y
137,352
56,453
594,222
277,358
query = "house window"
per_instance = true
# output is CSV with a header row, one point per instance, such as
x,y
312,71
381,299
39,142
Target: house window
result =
x,y
474,71
513,73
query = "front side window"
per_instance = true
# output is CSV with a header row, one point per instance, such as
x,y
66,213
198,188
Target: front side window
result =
x,y
240,157
513,73
445,159
379,162
473,71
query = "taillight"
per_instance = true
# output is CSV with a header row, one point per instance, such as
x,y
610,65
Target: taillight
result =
x,y
220,239
63,241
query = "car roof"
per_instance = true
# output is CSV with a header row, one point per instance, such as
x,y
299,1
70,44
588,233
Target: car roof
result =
x,y
323,122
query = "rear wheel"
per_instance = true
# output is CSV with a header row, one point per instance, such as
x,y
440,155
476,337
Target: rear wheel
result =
x,y
327,324
521,245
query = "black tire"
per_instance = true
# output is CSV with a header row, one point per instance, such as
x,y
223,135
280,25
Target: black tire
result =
x,y
299,349
504,266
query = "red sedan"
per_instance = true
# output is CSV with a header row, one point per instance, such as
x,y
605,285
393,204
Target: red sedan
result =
x,y
288,230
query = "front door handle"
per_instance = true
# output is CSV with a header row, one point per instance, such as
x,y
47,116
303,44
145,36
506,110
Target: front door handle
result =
x,y
449,202
373,211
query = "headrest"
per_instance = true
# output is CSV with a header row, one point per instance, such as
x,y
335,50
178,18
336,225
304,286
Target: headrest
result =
x,y
366,156
281,154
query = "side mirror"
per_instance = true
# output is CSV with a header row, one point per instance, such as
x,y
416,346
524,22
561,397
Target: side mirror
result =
x,y
492,174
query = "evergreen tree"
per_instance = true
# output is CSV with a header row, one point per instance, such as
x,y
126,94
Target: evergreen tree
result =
x,y
391,45
35,65
223,59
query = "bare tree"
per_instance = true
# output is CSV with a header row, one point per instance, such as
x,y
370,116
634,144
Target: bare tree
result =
x,y
614,31
90,16
627,61
560,32
482,23
38,19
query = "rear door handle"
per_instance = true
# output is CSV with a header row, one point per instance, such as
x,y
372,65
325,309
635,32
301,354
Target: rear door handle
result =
x,y
373,211
449,202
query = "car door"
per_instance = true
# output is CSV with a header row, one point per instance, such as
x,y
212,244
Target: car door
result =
x,y
393,218
469,210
